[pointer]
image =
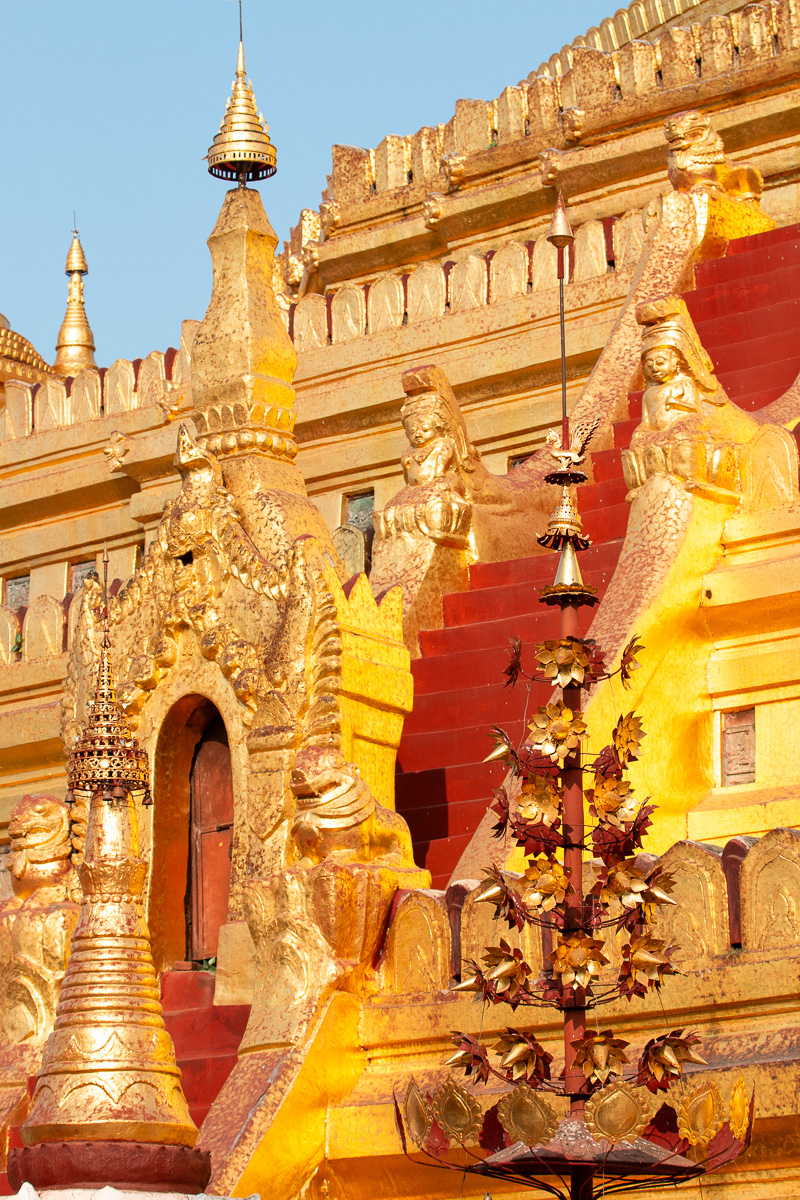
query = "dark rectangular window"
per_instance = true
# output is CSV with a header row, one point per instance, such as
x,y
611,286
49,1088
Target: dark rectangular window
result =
x,y
739,747
17,592
78,572
359,511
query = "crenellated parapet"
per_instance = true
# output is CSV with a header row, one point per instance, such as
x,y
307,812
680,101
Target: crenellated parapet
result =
x,y
609,84
162,381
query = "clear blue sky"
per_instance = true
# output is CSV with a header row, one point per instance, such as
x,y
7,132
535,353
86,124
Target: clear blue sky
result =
x,y
109,108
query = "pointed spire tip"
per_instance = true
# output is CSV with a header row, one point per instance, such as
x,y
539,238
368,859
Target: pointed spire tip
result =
x,y
560,232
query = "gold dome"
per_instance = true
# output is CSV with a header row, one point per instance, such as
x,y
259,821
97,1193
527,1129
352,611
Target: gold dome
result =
x,y
18,358
242,149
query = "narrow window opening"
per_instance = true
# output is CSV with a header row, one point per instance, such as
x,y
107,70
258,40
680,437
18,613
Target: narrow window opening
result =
x,y
78,572
17,592
739,747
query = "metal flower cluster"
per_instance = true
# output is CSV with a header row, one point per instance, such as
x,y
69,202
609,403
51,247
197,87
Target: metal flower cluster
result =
x,y
604,945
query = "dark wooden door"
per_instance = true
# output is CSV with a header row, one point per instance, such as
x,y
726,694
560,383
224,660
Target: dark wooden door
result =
x,y
210,851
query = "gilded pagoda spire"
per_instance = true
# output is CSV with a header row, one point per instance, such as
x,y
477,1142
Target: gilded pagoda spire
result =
x,y
243,358
242,149
109,1076
75,345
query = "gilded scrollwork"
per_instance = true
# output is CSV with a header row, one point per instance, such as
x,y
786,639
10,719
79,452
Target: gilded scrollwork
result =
x,y
200,547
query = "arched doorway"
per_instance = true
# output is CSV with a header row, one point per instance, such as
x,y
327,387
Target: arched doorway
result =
x,y
209,879
192,830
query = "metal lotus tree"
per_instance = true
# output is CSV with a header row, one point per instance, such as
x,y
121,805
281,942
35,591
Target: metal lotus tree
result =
x,y
630,1125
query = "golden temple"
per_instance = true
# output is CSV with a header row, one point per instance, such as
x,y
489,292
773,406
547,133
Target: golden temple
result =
x,y
247,789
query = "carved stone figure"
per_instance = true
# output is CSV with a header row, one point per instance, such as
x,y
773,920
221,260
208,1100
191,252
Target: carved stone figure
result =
x,y
451,512
697,160
317,926
438,436
689,429
37,922
338,817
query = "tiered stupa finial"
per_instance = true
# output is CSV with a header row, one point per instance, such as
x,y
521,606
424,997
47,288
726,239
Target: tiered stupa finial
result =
x,y
242,149
108,1107
75,345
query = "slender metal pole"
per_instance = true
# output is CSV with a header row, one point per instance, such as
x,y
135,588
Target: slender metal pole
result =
x,y
581,1183
564,417
572,792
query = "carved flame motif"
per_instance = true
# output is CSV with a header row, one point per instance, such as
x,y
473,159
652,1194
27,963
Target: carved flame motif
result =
x,y
526,1117
457,1113
617,1113
701,1114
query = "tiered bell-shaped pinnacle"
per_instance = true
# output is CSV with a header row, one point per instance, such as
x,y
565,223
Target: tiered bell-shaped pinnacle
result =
x,y
565,529
75,345
242,149
107,754
109,1076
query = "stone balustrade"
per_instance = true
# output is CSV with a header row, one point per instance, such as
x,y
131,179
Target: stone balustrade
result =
x,y
433,290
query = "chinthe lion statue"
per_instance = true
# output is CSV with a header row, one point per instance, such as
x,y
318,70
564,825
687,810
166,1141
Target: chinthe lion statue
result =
x,y
697,160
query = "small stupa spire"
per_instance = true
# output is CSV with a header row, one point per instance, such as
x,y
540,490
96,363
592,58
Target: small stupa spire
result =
x,y
75,346
108,1107
242,149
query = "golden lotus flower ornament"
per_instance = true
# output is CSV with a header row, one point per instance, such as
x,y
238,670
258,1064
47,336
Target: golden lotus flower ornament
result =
x,y
701,1113
739,1118
540,800
578,959
521,1056
666,1057
624,887
505,967
648,959
600,1055
547,883
564,661
617,1113
526,1117
556,732
457,1112
613,800
627,737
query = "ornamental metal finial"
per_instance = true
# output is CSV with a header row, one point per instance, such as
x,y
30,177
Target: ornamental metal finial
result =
x,y
107,755
108,1107
75,346
242,149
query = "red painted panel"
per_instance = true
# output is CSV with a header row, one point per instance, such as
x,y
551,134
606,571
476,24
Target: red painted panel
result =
x,y
212,824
